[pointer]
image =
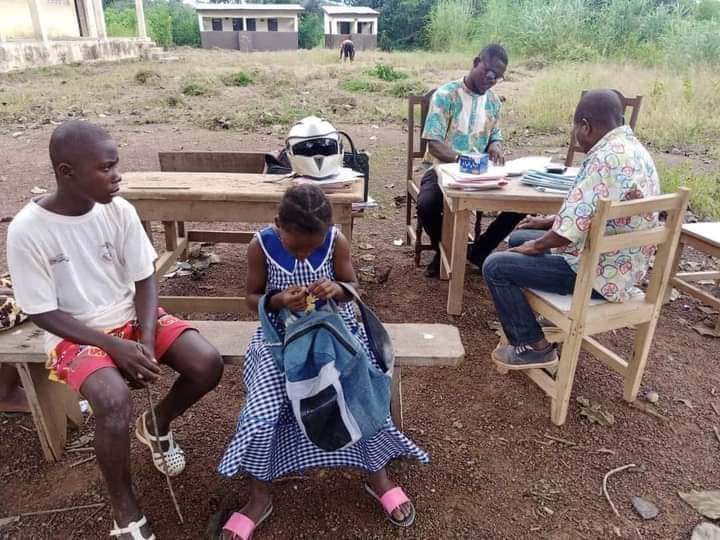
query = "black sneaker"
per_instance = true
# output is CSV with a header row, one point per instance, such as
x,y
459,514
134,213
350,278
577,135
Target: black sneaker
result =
x,y
525,357
433,269
477,256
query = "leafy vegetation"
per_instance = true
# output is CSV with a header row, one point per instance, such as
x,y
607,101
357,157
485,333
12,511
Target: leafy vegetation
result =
x,y
169,23
311,33
238,78
386,72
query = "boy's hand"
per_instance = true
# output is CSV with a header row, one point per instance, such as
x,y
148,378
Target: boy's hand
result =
x,y
325,289
528,248
135,360
496,154
536,222
293,298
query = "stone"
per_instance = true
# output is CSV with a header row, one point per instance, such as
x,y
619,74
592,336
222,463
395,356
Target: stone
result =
x,y
706,531
646,509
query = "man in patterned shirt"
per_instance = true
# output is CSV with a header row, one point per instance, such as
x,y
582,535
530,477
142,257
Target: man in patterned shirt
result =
x,y
464,118
617,167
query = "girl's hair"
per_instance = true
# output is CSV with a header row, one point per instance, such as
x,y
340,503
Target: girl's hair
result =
x,y
306,209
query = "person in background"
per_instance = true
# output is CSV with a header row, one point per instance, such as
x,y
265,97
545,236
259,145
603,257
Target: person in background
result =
x,y
347,50
464,117
545,253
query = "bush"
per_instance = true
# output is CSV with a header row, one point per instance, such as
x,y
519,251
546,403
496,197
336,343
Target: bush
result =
x,y
168,23
197,88
145,76
361,85
386,72
239,78
311,33
403,89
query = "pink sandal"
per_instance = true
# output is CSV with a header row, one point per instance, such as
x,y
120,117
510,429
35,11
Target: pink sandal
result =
x,y
391,500
242,527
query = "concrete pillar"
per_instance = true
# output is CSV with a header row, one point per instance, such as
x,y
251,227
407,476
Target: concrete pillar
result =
x,y
140,13
36,13
200,23
99,19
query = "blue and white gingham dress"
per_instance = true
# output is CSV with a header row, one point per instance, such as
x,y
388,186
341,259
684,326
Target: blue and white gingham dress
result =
x,y
268,442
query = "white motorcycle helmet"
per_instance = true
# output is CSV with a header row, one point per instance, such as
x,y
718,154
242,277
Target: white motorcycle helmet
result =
x,y
314,148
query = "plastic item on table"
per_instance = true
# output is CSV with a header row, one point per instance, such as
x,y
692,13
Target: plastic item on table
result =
x,y
474,163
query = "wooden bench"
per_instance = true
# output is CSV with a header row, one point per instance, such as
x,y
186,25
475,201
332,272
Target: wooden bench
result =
x,y
53,404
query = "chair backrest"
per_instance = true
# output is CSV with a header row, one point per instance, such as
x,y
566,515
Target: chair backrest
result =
x,y
423,102
628,103
228,162
665,237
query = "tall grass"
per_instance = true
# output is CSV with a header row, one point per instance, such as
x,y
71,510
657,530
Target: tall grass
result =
x,y
649,31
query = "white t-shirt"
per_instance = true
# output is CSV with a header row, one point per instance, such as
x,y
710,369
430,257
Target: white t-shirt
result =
x,y
85,265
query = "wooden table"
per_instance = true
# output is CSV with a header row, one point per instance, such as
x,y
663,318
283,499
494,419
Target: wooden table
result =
x,y
173,197
705,237
515,197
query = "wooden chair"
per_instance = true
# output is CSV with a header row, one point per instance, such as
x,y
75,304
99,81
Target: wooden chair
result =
x,y
415,150
705,237
578,317
628,103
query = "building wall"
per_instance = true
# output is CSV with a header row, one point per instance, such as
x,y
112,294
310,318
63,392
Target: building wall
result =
x,y
59,16
28,54
332,23
287,22
250,41
361,41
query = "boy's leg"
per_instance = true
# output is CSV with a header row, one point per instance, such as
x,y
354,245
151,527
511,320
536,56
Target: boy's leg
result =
x,y
524,235
200,367
108,395
430,214
496,232
12,397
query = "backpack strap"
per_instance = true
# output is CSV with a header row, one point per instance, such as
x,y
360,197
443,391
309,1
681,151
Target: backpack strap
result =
x,y
273,341
378,337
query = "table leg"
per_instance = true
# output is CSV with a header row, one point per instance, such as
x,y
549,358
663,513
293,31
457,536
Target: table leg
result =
x,y
461,220
446,242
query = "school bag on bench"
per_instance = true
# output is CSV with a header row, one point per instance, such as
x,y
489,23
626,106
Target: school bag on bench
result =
x,y
338,395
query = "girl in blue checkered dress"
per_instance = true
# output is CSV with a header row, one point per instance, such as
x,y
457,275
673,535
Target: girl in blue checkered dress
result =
x,y
303,254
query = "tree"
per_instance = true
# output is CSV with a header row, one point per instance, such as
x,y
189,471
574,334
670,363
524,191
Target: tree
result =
x,y
401,23
310,31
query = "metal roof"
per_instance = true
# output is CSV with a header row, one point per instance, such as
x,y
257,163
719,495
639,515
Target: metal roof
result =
x,y
349,10
248,7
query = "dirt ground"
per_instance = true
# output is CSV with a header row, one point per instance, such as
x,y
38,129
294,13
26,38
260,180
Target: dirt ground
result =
x,y
494,474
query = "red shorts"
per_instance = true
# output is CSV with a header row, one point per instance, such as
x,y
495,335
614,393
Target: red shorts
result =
x,y
73,364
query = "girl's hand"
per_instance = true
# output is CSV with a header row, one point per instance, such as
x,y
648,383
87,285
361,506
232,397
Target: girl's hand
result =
x,y
293,298
325,289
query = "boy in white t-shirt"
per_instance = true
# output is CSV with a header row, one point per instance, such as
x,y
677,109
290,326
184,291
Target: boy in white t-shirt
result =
x,y
83,270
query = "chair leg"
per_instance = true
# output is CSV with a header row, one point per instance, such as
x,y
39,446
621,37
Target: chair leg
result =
x,y
418,240
396,411
675,268
636,366
478,225
565,377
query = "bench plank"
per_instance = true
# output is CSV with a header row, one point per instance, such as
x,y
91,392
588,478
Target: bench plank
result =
x,y
415,344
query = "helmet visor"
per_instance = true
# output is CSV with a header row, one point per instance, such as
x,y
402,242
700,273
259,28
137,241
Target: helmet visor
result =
x,y
316,147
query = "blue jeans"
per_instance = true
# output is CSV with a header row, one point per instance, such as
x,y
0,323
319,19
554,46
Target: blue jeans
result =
x,y
507,274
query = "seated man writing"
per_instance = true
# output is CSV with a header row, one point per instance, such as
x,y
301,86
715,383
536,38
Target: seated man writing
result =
x,y
464,117
617,167
82,269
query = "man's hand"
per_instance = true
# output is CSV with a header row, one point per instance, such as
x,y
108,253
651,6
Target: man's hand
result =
x,y
528,248
293,298
135,361
325,289
536,222
496,153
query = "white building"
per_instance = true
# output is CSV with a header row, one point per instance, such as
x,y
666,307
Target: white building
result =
x,y
249,27
45,32
360,24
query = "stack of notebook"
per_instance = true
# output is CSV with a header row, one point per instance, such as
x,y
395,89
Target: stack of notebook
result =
x,y
544,181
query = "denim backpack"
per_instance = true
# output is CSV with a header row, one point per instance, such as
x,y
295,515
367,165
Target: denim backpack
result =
x,y
338,396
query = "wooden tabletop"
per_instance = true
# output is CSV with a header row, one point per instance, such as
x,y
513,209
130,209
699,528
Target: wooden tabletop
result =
x,y
515,190
184,186
707,232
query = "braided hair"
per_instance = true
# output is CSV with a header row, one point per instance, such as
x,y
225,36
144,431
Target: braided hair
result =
x,y
305,209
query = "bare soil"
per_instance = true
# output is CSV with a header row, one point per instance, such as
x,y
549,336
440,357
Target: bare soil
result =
x,y
494,474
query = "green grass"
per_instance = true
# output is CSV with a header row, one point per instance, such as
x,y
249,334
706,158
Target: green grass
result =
x,y
704,188
146,76
238,78
386,72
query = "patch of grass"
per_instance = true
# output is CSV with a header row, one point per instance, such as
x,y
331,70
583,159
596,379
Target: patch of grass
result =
x,y
174,102
403,89
239,78
145,76
386,72
196,87
361,84
704,188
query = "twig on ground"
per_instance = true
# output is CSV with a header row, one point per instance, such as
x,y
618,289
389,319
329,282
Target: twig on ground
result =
x,y
56,510
88,449
715,408
82,461
558,439
717,433
646,409
24,428
604,485
287,479
167,476
84,521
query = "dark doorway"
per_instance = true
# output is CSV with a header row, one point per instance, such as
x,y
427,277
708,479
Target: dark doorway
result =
x,y
251,25
238,25
217,25
344,27
272,25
